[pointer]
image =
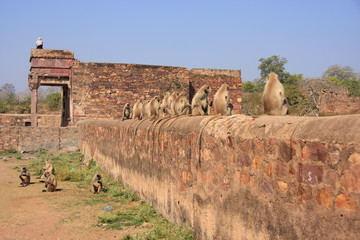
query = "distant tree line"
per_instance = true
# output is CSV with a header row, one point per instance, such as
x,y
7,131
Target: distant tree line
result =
x,y
12,102
302,94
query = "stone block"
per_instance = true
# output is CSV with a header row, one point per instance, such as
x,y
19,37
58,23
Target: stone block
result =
x,y
285,152
350,180
344,201
259,145
325,197
310,173
355,158
244,160
266,169
318,152
267,187
303,193
282,186
244,177
332,177
256,162
281,170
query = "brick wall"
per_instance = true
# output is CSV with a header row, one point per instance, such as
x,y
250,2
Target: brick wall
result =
x,y
263,178
20,120
338,103
32,138
100,90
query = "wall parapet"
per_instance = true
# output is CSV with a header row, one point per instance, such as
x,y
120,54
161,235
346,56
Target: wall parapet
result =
x,y
33,138
239,177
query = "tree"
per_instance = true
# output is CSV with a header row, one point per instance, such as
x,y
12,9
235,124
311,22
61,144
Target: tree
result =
x,y
53,102
341,73
343,76
271,64
249,87
24,106
6,90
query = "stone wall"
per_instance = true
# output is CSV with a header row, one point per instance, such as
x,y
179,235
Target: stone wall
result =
x,y
245,178
32,138
337,102
100,90
44,120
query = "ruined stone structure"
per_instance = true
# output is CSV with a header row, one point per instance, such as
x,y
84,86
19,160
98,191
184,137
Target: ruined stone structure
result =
x,y
242,178
337,102
234,177
43,120
100,90
51,68
20,138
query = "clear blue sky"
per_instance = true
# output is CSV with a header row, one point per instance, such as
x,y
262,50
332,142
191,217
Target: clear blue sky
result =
x,y
311,34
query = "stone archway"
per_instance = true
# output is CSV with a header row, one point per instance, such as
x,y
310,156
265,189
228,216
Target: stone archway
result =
x,y
51,68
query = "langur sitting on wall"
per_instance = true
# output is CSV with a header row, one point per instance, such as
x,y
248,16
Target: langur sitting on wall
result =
x,y
222,104
200,104
274,99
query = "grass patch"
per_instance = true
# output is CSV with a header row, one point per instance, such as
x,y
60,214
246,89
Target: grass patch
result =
x,y
127,209
11,153
126,217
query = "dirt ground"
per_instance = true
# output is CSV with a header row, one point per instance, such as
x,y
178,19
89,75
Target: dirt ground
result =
x,y
29,213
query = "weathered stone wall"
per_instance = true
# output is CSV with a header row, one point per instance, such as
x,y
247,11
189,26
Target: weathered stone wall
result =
x,y
263,178
32,138
44,120
100,90
338,103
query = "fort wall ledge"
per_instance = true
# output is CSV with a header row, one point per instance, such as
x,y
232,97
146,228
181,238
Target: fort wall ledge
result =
x,y
28,139
239,177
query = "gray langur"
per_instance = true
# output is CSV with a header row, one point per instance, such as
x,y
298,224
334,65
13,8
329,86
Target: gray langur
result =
x,y
126,112
24,177
200,104
222,103
274,99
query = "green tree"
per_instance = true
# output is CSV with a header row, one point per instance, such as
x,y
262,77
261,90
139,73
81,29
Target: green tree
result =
x,y
3,108
341,73
53,102
343,76
24,106
249,87
274,64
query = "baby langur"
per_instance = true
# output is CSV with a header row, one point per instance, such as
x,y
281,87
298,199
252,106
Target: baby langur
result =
x,y
222,104
200,104
229,109
137,110
50,182
96,183
24,177
181,105
274,99
126,112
